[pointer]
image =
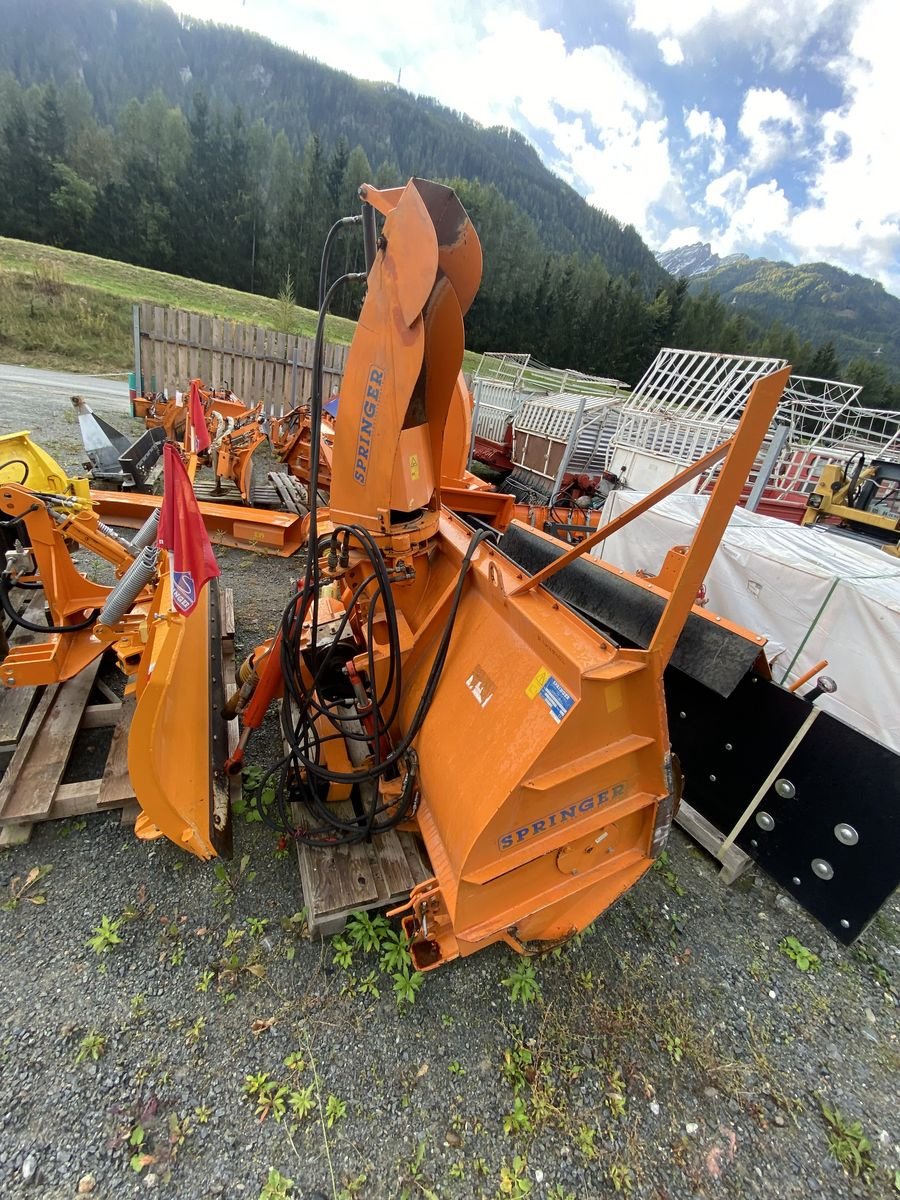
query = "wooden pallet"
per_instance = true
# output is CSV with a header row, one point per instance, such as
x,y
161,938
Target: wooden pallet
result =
x,y
734,862
32,788
346,879
41,743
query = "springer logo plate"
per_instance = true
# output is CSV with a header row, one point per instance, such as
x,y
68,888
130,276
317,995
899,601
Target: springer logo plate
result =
x,y
562,816
367,420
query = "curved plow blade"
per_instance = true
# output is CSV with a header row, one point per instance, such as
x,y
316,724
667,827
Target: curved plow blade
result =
x,y
178,740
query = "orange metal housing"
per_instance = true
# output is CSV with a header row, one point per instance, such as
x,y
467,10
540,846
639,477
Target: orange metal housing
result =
x,y
545,782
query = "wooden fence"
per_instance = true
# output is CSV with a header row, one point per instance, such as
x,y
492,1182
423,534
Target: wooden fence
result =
x,y
259,365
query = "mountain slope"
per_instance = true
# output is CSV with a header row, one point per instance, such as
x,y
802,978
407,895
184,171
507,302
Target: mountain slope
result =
x,y
822,302
124,48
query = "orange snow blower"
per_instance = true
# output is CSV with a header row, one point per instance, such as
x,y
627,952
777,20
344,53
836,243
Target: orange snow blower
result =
x,y
424,674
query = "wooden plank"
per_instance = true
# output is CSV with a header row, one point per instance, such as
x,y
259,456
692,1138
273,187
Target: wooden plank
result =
x,y
101,716
237,383
194,369
115,787
228,354
146,343
28,787
734,861
159,347
205,352
228,613
130,814
259,374
14,835
216,359
393,864
183,366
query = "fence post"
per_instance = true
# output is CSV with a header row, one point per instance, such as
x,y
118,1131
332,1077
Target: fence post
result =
x,y
294,365
136,330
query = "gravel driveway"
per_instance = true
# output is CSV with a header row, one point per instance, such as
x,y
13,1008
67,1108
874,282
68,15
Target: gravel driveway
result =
x,y
676,1051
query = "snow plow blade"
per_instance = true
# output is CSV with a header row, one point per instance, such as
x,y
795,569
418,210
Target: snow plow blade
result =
x,y
178,741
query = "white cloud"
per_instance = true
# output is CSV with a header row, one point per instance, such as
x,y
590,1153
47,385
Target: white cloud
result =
x,y
608,133
670,51
786,25
853,218
707,130
772,123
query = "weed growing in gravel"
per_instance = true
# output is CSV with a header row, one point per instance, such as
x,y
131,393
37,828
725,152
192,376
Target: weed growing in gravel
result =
x,y
276,1187
295,927
518,1121
204,980
661,865
413,1177
254,802
366,932
139,1007
203,1112
335,1110
374,935
514,1180
406,985
105,935
20,889
881,976
92,1046
847,1143
585,1140
615,1097
675,1047
194,1034
804,959
257,926
622,1178
522,983
228,883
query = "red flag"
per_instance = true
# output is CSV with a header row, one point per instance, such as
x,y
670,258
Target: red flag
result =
x,y
183,534
198,420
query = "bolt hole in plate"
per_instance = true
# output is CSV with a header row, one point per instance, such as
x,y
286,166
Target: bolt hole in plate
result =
x,y
361,880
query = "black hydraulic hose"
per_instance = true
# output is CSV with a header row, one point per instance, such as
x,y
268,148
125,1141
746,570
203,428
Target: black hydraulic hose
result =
x,y
336,228
20,462
32,626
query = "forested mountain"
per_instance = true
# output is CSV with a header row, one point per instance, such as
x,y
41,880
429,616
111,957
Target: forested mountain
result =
x,y
210,152
122,49
821,302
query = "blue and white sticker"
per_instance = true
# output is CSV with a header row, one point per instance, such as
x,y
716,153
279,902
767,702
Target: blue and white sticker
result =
x,y
184,594
556,698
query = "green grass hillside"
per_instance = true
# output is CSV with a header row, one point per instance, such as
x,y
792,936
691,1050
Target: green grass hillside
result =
x,y
68,311
72,312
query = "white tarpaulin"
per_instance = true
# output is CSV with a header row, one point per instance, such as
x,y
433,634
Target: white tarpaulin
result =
x,y
812,594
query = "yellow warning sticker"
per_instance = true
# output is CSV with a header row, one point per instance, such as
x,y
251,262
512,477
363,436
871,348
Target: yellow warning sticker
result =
x,y
537,683
414,466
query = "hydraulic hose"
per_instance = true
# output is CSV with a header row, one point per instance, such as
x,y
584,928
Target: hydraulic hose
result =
x,y
32,626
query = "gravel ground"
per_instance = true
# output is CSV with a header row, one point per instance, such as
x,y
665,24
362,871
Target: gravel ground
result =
x,y
676,1051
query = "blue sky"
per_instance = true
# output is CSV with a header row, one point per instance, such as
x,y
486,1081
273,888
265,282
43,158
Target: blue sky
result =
x,y
768,127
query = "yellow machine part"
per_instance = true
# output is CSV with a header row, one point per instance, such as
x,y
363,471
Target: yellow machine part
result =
x,y
22,461
176,745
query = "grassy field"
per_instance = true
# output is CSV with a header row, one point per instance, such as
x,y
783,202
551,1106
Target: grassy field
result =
x,y
67,311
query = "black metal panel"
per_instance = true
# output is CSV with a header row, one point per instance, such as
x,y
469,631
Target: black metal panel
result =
x,y
220,835
716,656
839,776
